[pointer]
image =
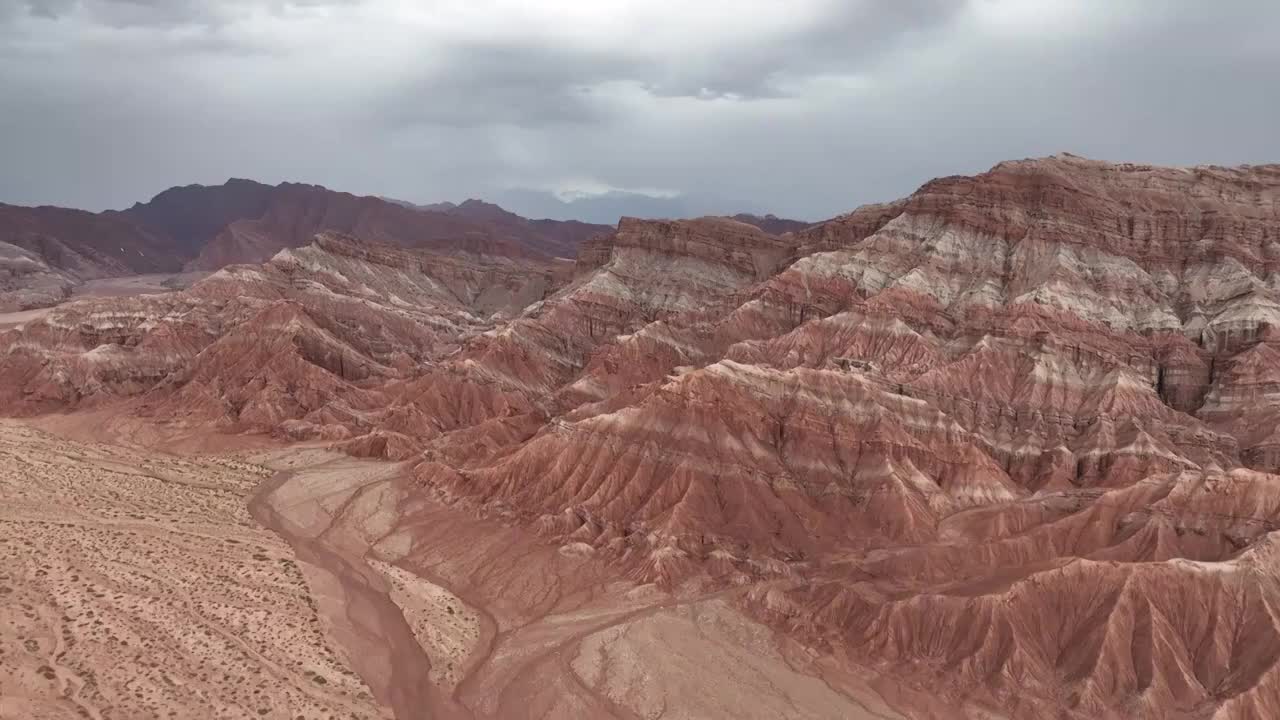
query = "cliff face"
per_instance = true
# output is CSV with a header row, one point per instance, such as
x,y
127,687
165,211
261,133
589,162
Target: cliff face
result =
x,y
1010,439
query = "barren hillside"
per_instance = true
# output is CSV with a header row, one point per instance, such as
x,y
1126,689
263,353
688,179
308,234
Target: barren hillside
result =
x,y
1003,448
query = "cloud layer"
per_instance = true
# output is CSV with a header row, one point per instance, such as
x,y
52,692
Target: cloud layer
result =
x,y
799,107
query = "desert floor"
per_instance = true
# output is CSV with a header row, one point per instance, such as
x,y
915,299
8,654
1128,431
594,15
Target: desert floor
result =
x,y
136,585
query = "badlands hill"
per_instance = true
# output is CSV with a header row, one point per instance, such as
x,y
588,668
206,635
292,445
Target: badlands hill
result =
x,y
45,252
1008,443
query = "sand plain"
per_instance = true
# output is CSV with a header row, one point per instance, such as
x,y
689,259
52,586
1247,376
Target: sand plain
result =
x,y
136,585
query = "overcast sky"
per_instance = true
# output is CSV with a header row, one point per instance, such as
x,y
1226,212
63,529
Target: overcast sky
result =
x,y
805,108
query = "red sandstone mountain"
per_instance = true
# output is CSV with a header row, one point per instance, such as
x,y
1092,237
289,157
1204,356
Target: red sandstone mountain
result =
x,y
46,251
192,215
559,238
295,213
1010,441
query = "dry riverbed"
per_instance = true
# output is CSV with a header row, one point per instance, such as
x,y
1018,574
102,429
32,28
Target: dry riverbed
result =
x,y
299,583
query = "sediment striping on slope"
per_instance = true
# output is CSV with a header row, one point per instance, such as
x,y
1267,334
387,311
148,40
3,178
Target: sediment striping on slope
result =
x,y
1009,442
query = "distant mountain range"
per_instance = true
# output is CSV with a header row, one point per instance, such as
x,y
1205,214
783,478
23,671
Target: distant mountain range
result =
x,y
609,207
46,251
603,208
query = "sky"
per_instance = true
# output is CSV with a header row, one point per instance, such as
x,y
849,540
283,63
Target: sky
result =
x,y
803,108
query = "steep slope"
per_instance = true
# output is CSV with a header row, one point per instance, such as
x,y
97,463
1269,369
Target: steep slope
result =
x,y
739,460
643,273
1097,335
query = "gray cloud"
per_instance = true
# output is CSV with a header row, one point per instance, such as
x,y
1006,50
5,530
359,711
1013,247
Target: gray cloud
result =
x,y
486,84
163,13
845,40
527,83
803,107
